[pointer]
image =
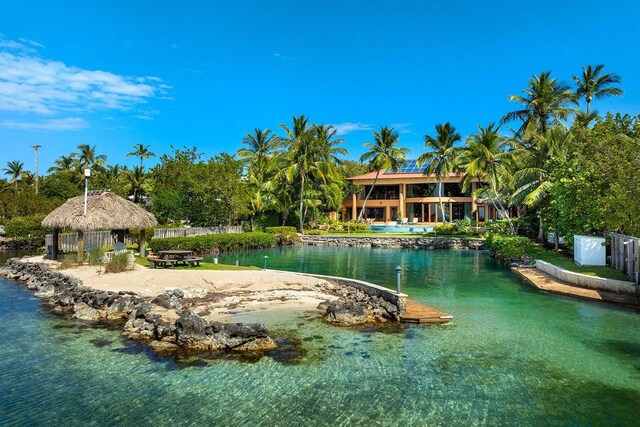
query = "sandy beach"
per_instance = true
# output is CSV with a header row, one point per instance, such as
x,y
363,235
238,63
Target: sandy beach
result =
x,y
215,295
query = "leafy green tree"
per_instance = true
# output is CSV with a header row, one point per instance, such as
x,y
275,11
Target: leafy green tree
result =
x,y
138,183
546,101
441,156
485,155
87,158
14,169
592,83
63,164
382,153
141,151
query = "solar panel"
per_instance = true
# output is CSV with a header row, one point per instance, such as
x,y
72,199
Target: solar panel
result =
x,y
410,166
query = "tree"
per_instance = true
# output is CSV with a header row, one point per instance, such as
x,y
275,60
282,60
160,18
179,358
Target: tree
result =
x,y
533,182
484,157
383,153
441,157
142,151
303,156
545,102
592,84
63,164
87,158
14,169
138,183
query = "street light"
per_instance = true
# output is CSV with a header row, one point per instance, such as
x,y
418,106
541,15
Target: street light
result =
x,y
266,257
35,147
87,174
398,270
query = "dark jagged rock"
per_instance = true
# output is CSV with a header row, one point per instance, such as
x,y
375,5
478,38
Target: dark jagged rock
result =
x,y
170,299
346,312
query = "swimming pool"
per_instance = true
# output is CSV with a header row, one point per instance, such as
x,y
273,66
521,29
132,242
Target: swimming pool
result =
x,y
400,228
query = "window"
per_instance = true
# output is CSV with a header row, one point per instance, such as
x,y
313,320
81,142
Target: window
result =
x,y
421,190
452,190
382,192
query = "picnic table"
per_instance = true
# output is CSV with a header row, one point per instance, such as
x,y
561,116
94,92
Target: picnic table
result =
x,y
174,257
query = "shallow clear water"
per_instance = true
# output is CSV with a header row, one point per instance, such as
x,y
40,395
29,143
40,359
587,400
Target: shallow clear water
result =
x,y
512,355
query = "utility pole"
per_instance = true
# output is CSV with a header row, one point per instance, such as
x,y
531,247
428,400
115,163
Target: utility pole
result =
x,y
35,147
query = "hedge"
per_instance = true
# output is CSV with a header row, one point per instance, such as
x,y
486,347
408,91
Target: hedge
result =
x,y
509,249
285,235
212,243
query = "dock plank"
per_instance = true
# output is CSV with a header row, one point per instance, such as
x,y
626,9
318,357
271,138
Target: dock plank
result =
x,y
422,314
548,283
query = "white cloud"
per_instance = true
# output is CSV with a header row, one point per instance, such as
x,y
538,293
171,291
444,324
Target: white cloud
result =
x,y
283,57
67,124
348,127
194,70
402,128
33,84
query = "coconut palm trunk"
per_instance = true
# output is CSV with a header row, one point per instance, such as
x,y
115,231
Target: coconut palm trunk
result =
x,y
506,213
364,204
444,219
301,208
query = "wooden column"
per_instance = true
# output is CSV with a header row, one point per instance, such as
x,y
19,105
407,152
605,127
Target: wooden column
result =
x,y
354,207
142,242
401,207
80,247
55,249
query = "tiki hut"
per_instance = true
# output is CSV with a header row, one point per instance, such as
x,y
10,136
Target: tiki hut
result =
x,y
105,211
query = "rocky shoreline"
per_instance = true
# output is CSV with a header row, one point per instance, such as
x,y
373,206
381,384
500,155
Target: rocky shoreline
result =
x,y
409,242
168,322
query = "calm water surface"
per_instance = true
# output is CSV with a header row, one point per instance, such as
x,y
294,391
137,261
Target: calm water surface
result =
x,y
512,355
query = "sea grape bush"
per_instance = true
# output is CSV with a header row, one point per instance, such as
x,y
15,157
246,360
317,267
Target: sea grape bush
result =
x,y
211,243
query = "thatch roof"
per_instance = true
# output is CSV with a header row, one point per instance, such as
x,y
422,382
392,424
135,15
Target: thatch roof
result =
x,y
105,211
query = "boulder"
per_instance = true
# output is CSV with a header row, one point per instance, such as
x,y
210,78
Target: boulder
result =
x,y
346,312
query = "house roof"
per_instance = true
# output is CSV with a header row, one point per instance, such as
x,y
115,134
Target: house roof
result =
x,y
391,175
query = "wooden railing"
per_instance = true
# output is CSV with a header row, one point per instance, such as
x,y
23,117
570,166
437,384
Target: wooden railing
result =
x,y
161,233
625,255
68,242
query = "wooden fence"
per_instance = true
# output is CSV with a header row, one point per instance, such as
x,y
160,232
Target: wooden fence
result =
x,y
161,233
625,255
68,242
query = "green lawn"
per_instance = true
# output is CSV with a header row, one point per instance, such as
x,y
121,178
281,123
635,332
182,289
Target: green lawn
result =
x,y
203,266
562,261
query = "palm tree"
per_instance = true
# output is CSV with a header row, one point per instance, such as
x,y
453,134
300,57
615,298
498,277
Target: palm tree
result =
x,y
484,157
138,182
591,84
88,159
383,153
14,169
142,151
63,164
308,157
532,180
259,146
546,101
441,157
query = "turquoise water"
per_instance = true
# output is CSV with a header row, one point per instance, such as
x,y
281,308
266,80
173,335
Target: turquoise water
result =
x,y
512,356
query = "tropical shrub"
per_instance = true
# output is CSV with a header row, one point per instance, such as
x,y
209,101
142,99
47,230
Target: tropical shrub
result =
x,y
208,244
285,235
94,256
347,226
117,263
509,249
500,226
67,262
26,229
314,232
445,229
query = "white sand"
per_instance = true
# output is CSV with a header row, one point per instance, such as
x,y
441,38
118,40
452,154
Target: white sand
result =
x,y
215,294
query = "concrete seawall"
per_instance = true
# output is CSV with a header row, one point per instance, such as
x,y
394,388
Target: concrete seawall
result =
x,y
584,281
435,242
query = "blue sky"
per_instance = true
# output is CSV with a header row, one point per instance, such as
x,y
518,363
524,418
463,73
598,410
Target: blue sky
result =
x,y
163,73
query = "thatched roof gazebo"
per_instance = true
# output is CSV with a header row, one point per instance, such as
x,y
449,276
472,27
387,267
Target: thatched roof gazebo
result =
x,y
105,211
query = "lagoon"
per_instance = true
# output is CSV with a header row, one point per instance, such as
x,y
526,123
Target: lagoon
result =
x,y
511,355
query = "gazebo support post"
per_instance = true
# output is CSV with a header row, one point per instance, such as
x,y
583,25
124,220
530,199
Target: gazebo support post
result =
x,y
80,247
142,242
54,249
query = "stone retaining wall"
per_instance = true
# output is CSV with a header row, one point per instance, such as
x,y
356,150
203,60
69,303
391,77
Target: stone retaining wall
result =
x,y
435,242
370,289
584,281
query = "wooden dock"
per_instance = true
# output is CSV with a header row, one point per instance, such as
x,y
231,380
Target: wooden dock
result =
x,y
548,283
424,315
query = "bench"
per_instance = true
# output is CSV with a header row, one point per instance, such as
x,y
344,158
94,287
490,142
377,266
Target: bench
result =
x,y
192,262
153,262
